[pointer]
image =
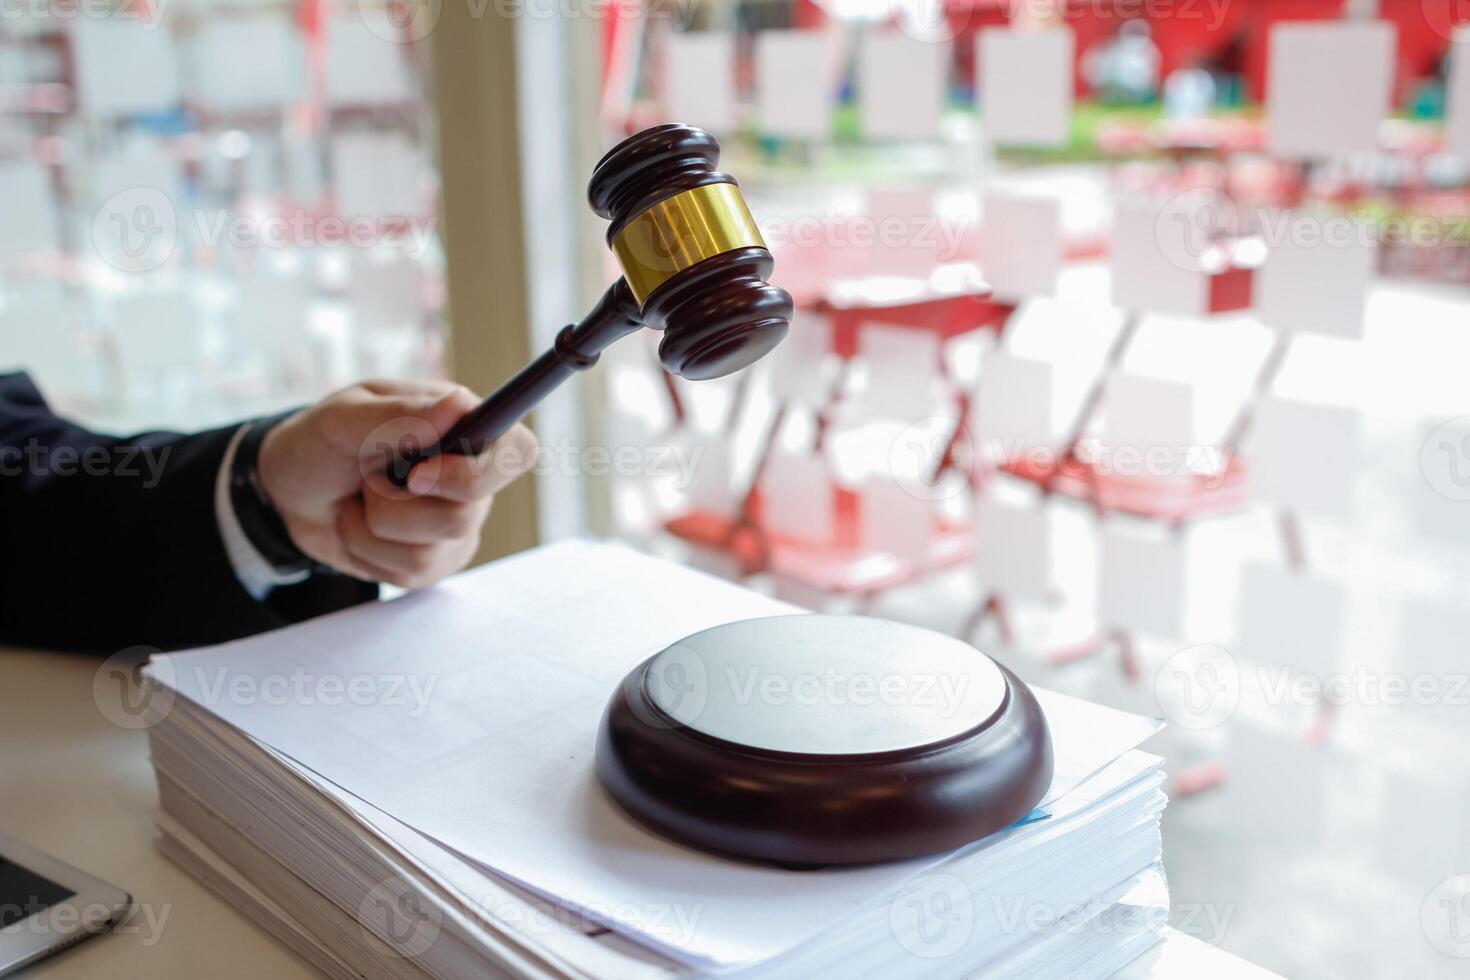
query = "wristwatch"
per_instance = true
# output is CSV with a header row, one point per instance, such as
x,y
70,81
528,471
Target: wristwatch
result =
x,y
258,517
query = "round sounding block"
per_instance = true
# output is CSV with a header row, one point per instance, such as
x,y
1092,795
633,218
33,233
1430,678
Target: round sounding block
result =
x,y
813,740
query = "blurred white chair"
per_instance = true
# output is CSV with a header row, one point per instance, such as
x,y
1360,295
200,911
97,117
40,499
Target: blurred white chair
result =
x,y
895,522
1457,108
247,64
797,497
1160,257
124,67
902,83
698,82
156,336
1308,120
1024,85
1020,244
1306,457
796,83
377,175
1312,284
1291,626
1434,651
38,334
364,69
1142,583
386,292
1013,412
29,219
1150,428
801,368
1013,552
901,367
272,319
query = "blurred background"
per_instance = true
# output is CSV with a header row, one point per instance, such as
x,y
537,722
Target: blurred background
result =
x,y
1131,344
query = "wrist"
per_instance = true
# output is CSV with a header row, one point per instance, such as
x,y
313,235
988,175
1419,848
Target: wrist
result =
x,y
254,502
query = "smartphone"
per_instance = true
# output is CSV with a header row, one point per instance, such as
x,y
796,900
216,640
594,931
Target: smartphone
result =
x,y
47,905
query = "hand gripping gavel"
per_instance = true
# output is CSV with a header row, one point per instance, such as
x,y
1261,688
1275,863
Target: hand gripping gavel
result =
x,y
694,266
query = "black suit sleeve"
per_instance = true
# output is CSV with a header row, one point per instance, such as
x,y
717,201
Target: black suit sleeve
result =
x,y
113,542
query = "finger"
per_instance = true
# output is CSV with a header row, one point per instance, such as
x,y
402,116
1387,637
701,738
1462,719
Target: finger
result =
x,y
368,421
467,478
423,520
396,387
408,565
343,560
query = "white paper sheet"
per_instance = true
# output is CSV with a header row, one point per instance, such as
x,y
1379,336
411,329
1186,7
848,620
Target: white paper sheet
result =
x,y
496,763
1308,116
1025,85
699,79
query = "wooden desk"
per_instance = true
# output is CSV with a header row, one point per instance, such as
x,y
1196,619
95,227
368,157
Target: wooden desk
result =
x,y
77,786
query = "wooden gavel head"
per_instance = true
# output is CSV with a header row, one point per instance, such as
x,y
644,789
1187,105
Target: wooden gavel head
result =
x,y
690,251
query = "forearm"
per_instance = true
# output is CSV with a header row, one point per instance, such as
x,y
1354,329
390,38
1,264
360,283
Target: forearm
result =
x,y
113,542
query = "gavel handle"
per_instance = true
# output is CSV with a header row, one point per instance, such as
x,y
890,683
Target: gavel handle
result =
x,y
576,348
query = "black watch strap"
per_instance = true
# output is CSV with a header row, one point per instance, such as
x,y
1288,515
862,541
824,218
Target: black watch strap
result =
x,y
258,518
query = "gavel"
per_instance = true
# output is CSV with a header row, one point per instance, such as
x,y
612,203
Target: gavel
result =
x,y
694,266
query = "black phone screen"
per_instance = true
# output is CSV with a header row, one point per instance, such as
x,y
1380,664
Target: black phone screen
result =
x,y
23,893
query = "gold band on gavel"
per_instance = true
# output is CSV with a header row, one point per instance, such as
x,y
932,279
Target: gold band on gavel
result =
x,y
680,231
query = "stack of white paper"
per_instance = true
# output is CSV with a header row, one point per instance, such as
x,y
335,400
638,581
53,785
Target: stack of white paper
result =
x,y
406,790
